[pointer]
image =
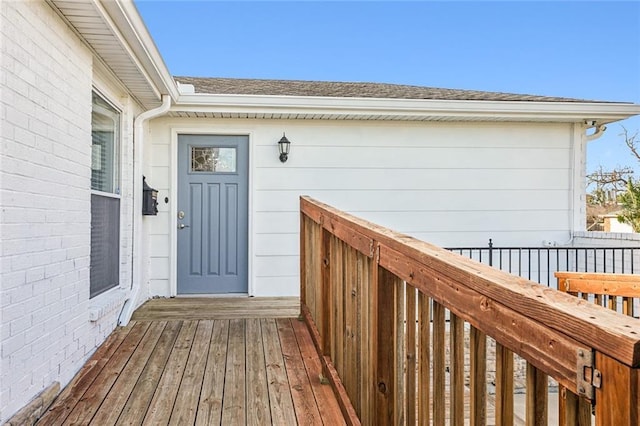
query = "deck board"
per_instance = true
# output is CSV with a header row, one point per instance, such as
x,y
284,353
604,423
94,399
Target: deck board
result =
x,y
92,399
186,403
233,404
200,308
69,397
141,395
231,371
210,404
161,405
118,395
301,393
257,392
330,412
282,412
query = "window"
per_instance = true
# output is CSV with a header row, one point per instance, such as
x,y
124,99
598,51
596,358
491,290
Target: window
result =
x,y
105,196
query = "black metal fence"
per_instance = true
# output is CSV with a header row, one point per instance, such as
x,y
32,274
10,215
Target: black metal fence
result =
x,y
539,263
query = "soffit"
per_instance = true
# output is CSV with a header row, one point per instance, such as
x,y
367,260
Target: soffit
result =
x,y
95,27
381,117
325,108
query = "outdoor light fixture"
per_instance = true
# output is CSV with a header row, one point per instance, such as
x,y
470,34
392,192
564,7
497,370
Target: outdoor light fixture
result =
x,y
283,146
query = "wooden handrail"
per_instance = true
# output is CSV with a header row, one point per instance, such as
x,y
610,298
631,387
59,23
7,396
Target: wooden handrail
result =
x,y
355,275
622,285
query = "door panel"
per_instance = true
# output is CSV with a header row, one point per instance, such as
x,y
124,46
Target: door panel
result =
x,y
213,203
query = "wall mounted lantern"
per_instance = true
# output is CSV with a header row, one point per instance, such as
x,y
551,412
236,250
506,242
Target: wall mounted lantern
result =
x,y
149,199
284,146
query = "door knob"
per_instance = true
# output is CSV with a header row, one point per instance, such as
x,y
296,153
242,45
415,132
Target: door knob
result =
x,y
182,226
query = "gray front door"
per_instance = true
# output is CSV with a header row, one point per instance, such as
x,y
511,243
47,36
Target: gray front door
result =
x,y
212,214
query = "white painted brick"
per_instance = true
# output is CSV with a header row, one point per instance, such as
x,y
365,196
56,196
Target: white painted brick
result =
x,y
13,279
17,118
35,274
11,345
19,325
44,185
25,293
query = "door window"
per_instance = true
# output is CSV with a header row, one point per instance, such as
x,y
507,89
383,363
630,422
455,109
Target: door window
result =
x,y
213,159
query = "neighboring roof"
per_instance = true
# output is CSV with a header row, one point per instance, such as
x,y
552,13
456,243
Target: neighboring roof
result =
x,y
243,86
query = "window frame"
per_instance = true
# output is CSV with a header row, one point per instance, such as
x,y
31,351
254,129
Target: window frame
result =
x,y
116,177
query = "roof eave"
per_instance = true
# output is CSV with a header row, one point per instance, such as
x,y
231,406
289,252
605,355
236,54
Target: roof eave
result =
x,y
115,33
394,109
130,24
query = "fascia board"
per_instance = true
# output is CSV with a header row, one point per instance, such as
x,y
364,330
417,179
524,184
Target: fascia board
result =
x,y
132,33
490,110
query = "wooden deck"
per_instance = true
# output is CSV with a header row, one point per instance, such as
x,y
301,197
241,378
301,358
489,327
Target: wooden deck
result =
x,y
189,308
254,371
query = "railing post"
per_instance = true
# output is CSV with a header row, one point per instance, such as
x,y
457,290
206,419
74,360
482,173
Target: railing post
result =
x,y
618,397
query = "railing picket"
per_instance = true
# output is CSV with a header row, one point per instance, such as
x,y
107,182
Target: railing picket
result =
x,y
411,395
456,380
438,365
304,259
338,287
537,397
627,306
386,350
400,352
322,305
352,364
371,368
424,359
478,355
364,285
504,386
573,410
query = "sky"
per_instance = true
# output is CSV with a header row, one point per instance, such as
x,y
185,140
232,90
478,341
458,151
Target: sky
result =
x,y
585,50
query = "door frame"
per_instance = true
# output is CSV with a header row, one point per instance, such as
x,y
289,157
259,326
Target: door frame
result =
x,y
173,201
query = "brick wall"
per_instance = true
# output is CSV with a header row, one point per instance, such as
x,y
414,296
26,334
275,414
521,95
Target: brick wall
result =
x,y
46,333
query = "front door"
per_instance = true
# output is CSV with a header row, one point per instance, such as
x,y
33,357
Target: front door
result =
x,y
212,214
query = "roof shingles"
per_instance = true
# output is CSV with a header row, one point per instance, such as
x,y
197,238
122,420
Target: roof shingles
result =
x,y
240,86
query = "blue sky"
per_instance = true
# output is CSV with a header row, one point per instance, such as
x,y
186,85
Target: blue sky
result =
x,y
586,50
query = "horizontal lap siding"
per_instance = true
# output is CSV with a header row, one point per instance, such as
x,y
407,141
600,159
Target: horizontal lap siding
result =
x,y
451,183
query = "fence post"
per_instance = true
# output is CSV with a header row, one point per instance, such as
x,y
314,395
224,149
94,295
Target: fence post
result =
x,y
618,397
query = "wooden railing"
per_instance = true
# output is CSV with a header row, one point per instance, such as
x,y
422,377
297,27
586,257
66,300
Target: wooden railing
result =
x,y
380,306
618,292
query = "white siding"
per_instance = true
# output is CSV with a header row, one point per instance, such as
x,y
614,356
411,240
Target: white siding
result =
x,y
453,184
46,332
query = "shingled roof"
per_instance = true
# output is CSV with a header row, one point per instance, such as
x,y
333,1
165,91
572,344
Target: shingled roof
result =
x,y
240,86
